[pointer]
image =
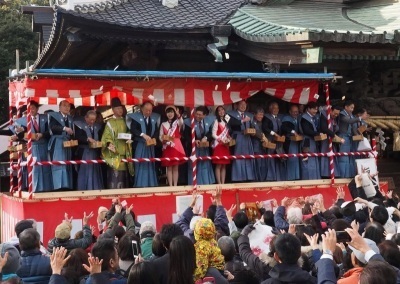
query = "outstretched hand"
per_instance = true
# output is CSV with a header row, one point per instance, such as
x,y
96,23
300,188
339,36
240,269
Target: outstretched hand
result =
x,y
94,265
329,240
129,209
229,213
340,193
195,196
216,195
248,229
357,241
3,261
86,218
118,208
313,240
58,259
66,219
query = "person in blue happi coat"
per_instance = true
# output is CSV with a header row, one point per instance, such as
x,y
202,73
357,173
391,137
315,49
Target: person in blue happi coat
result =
x,y
309,126
272,128
244,169
258,139
90,176
61,130
144,127
203,132
347,129
290,128
331,132
41,176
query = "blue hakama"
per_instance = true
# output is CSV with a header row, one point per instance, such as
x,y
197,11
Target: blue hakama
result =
x,y
62,175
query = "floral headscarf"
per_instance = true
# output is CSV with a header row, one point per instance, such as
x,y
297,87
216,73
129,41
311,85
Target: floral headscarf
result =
x,y
208,253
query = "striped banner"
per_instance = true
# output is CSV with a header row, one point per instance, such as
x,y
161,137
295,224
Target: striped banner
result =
x,y
181,92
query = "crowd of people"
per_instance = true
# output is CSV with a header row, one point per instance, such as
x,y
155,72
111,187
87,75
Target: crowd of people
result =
x,y
147,134
354,241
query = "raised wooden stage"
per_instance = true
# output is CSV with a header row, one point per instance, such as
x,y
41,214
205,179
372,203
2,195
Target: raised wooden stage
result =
x,y
157,203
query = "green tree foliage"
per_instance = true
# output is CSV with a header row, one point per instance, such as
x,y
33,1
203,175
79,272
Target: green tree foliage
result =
x,y
15,33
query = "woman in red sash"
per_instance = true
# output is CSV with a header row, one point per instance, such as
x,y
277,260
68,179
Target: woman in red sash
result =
x,y
220,134
170,136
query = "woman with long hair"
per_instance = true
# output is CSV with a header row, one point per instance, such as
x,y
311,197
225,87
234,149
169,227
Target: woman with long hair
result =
x,y
73,270
142,273
170,136
221,136
182,262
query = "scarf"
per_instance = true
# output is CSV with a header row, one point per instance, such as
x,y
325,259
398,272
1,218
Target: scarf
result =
x,y
170,133
222,137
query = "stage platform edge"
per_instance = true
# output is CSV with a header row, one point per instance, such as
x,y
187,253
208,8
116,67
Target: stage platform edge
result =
x,y
157,204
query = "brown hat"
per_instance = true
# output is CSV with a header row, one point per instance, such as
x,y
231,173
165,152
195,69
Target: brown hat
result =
x,y
63,231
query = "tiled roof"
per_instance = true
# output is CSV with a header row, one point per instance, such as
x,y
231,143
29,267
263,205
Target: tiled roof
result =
x,y
303,20
151,14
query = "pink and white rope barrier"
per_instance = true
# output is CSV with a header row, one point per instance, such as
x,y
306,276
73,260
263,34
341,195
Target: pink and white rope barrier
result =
x,y
10,143
328,114
193,157
29,159
204,158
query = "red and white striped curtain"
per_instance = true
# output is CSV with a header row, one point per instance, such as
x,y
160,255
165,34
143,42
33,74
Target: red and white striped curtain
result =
x,y
181,92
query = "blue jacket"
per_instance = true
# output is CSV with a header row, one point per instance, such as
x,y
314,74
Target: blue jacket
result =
x,y
57,279
35,267
106,277
184,223
326,271
71,244
279,219
221,220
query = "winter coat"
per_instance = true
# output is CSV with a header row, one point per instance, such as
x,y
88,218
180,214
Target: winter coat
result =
x,y
71,244
35,267
351,276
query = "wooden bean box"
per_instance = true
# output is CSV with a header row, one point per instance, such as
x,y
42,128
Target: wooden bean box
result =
x,y
14,156
321,137
231,143
167,138
12,148
22,148
33,136
280,139
151,142
95,145
337,139
249,131
358,138
297,138
70,143
204,144
269,145
362,129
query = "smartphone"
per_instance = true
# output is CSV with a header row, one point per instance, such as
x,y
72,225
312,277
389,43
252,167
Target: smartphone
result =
x,y
135,249
124,203
342,237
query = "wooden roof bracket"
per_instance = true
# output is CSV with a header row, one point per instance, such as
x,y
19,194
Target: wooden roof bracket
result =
x,y
221,35
213,48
